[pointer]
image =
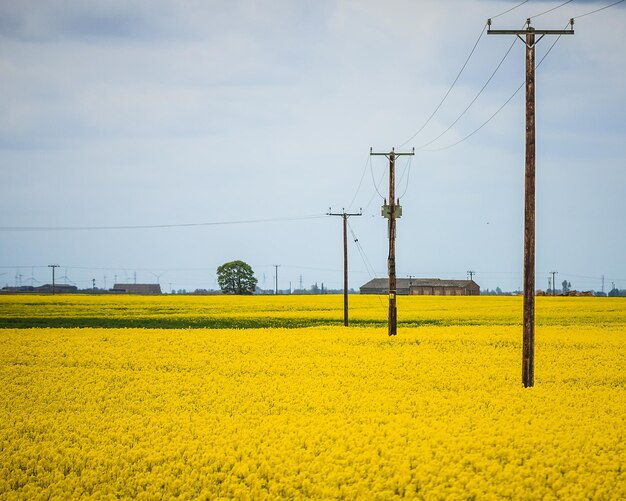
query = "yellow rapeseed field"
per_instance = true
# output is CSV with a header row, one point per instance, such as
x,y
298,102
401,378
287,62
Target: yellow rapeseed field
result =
x,y
296,406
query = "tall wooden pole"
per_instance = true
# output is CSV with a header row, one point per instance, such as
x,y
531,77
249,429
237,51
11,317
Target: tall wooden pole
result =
x,y
345,270
392,211
528,347
391,260
528,340
345,216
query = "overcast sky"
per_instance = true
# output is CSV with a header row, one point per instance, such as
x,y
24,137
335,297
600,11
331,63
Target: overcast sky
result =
x,y
117,113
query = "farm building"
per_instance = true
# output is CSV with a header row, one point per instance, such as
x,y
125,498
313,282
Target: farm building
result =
x,y
58,288
137,288
423,287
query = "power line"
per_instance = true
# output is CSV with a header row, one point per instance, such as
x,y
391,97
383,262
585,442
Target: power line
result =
x,y
459,74
153,226
499,109
482,32
405,171
473,100
368,265
509,10
550,10
360,183
408,175
374,181
598,10
423,147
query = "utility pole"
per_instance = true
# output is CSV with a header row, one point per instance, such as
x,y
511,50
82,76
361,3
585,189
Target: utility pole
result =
x,y
602,284
391,212
553,281
276,275
528,345
345,217
53,266
93,283
470,274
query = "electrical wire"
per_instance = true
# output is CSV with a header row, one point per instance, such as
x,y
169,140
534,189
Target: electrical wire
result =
x,y
368,265
509,10
598,10
374,181
375,192
405,170
153,226
459,74
473,100
360,183
406,187
482,32
550,10
500,108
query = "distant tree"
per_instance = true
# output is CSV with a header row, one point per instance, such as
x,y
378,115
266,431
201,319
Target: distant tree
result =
x,y
236,277
498,291
566,286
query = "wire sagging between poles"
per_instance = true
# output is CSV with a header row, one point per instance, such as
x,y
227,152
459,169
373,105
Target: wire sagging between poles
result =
x,y
473,100
501,107
482,32
598,10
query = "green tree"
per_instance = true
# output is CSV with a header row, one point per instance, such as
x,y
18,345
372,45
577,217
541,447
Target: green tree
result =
x,y
236,277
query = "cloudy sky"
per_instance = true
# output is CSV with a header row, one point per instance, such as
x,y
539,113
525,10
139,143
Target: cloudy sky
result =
x,y
156,113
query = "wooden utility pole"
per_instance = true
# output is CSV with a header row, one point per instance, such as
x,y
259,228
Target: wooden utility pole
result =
x,y
345,217
528,345
53,266
391,212
554,282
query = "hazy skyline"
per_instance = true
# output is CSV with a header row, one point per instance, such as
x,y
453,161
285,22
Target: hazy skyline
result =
x,y
165,113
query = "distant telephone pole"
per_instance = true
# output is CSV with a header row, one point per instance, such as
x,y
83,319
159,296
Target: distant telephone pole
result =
x,y
391,212
553,281
528,347
345,217
276,276
470,274
53,266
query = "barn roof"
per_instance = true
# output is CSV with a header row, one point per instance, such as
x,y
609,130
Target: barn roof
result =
x,y
138,288
405,283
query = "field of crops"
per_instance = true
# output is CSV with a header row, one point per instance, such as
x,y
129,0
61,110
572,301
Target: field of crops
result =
x,y
271,397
